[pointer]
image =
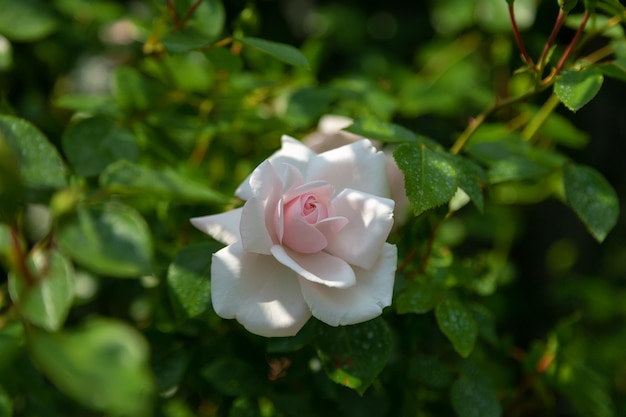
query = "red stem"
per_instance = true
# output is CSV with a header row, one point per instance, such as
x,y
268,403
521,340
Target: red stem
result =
x,y
189,13
572,44
555,31
172,10
518,39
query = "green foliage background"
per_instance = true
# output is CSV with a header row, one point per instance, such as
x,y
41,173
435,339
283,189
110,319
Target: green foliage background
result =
x,y
120,120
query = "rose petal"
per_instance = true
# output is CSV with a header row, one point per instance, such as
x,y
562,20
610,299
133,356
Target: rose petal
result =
x,y
259,292
320,267
303,237
222,227
358,166
364,301
292,152
257,229
370,219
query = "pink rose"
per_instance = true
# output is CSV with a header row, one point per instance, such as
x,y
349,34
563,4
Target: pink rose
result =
x,y
310,240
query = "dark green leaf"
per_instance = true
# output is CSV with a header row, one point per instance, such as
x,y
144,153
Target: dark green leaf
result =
x,y
40,163
471,179
419,297
562,131
354,355
111,239
232,376
430,179
102,365
430,371
133,91
11,187
11,343
567,5
46,303
26,20
458,325
6,406
92,144
474,397
615,69
307,105
224,59
592,198
280,51
577,88
188,279
128,178
185,40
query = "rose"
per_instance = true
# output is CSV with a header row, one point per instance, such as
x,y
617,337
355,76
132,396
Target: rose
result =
x,y
329,135
309,240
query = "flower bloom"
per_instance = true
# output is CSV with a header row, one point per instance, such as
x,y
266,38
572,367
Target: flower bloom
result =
x,y
309,240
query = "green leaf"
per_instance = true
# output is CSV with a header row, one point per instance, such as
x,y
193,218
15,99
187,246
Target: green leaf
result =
x,y
185,40
188,279
92,144
280,51
372,128
133,91
567,5
128,178
615,69
11,187
11,343
6,405
577,88
458,324
474,397
471,179
26,20
592,198
207,19
111,239
103,365
562,131
430,179
354,355
224,59
419,297
40,163
232,376
46,303
307,105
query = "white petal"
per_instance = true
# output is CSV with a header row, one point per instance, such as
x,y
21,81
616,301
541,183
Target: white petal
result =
x,y
292,152
364,301
370,219
222,227
320,267
259,292
358,166
256,235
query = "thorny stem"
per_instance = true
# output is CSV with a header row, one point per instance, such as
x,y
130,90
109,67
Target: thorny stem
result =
x,y
555,31
518,39
572,45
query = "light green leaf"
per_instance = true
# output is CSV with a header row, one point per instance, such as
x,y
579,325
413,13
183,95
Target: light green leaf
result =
x,y
458,324
128,178
354,355
102,365
46,303
474,397
26,20
111,239
577,88
592,198
188,279
40,163
372,128
280,51
92,144
430,179
615,69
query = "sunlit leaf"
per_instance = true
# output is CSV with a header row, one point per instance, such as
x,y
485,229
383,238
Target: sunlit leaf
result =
x,y
592,198
188,278
103,365
280,51
458,324
128,178
92,144
430,179
575,88
47,302
354,355
111,239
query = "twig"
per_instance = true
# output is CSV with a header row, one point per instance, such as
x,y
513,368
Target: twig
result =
x,y
555,31
572,45
518,38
